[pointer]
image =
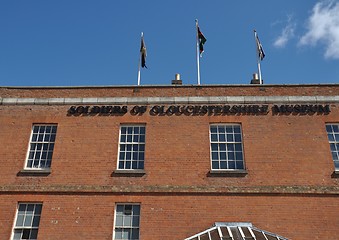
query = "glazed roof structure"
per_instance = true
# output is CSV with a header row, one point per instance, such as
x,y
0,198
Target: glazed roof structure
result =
x,y
235,231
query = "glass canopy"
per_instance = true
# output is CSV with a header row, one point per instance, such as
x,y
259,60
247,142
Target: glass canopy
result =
x,y
235,231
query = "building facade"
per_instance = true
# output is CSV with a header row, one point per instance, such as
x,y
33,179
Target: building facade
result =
x,y
170,162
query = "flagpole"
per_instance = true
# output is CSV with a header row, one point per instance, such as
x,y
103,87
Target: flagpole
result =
x,y
258,56
197,51
259,71
139,65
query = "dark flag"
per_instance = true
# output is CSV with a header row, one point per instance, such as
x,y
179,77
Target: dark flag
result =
x,y
143,52
201,40
260,50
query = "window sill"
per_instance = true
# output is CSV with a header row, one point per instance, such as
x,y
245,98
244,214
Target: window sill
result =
x,y
128,173
227,173
34,172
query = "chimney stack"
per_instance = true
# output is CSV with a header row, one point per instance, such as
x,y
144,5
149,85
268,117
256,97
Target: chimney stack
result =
x,y
256,79
177,80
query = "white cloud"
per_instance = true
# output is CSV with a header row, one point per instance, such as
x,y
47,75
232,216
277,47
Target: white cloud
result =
x,y
323,27
286,34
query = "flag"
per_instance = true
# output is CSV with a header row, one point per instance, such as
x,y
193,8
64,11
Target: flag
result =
x,y
260,50
201,41
143,52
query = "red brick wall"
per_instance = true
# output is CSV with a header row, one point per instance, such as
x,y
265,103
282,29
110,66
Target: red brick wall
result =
x,y
288,189
171,217
170,91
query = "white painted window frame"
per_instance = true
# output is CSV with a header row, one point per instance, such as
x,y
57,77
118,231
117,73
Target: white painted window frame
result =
x,y
49,150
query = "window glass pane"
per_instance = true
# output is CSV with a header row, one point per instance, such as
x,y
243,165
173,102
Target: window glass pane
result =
x,y
237,137
237,129
215,156
30,208
40,137
19,220
135,147
135,234
332,147
17,235
123,130
231,164
223,164
230,156
141,165
230,147
121,164
118,222
222,137
215,164
330,137
222,147
118,234
213,129
238,147
34,137
328,128
35,129
29,163
214,146
230,138
38,208
229,129
136,138
36,221
34,234
214,137
52,138
136,209
28,220
238,156
222,155
239,165
142,147
120,209
25,233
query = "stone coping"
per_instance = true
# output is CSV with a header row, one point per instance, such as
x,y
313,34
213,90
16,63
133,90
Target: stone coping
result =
x,y
172,100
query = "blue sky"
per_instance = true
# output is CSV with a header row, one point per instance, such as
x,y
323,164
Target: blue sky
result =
x,y
83,42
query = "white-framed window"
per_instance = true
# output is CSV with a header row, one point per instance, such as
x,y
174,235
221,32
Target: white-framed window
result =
x,y
27,221
41,146
131,147
332,130
226,147
126,221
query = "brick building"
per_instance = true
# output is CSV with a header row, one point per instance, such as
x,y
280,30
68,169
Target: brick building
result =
x,y
170,162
